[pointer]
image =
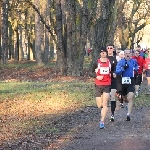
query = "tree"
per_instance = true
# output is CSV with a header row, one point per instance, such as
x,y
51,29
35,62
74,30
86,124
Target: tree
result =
x,y
0,31
5,31
38,36
104,26
132,17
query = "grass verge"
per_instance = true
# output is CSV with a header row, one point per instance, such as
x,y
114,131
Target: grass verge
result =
x,y
25,106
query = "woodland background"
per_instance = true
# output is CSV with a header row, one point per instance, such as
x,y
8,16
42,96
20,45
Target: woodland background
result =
x,y
40,30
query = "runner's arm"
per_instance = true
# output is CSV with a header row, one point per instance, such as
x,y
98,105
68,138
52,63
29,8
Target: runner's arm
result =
x,y
119,67
92,73
136,67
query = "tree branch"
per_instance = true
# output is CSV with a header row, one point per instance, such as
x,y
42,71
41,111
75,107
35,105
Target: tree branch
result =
x,y
41,19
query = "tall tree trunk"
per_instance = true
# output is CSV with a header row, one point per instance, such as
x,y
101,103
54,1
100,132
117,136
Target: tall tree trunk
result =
x,y
11,44
61,52
71,35
20,32
46,14
77,29
47,35
102,28
31,43
5,31
0,31
113,20
82,39
38,52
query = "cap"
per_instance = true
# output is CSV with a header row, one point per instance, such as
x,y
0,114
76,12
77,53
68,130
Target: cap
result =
x,y
103,49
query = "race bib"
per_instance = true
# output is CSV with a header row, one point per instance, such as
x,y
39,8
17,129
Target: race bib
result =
x,y
148,66
104,70
126,80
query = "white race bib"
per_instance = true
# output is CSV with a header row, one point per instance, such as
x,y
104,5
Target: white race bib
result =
x,y
126,80
148,66
104,70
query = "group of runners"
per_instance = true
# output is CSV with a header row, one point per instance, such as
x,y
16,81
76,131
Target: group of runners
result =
x,y
118,75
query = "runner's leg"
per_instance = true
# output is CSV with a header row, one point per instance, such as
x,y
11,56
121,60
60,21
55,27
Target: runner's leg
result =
x,y
105,108
130,103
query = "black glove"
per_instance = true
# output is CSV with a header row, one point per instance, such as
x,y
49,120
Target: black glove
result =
x,y
126,66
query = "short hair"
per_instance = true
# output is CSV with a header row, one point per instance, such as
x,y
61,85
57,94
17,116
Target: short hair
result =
x,y
138,46
127,49
110,45
137,51
122,52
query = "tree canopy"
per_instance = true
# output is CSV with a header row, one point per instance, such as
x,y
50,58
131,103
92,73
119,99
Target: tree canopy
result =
x,y
35,29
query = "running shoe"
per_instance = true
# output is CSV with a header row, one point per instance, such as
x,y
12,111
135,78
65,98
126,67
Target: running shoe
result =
x,y
139,88
136,95
128,118
101,125
121,105
112,118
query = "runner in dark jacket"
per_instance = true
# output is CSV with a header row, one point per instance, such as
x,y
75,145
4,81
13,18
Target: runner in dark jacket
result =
x,y
113,61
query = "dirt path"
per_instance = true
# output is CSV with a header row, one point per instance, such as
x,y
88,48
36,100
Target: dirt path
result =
x,y
80,131
118,135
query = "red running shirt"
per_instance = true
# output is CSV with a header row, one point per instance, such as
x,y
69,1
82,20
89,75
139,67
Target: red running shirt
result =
x,y
141,63
147,64
103,69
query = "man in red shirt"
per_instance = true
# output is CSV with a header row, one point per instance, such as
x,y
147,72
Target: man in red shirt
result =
x,y
101,71
138,75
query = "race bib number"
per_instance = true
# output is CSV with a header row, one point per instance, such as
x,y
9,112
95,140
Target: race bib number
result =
x,y
104,70
126,80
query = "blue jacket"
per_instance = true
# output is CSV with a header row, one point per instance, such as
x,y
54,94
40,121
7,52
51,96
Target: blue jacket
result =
x,y
129,72
142,54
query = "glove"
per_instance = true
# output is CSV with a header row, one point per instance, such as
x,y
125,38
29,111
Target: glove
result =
x,y
126,66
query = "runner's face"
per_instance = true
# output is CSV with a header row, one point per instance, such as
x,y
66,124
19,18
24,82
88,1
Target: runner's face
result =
x,y
103,54
127,54
118,53
137,53
121,55
110,49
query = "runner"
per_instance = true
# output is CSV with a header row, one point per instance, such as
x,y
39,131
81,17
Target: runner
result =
x,y
101,71
119,82
126,67
140,51
146,53
138,74
147,70
113,61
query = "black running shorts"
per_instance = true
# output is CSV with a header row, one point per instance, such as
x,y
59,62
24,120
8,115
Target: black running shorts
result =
x,y
126,88
138,79
100,89
119,83
113,83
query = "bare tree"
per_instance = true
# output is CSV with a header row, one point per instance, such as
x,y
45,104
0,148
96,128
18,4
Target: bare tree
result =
x,y
0,31
132,17
38,35
5,31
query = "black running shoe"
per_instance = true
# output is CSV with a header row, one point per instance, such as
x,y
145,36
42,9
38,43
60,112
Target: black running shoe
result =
x,y
121,105
112,118
128,118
